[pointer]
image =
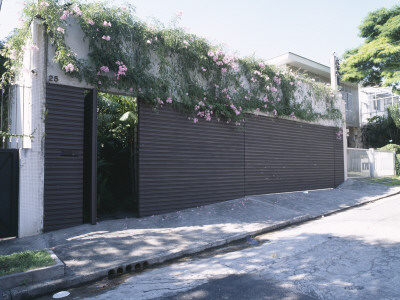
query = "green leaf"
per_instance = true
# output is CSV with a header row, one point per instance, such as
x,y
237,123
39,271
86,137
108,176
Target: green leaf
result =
x,y
128,117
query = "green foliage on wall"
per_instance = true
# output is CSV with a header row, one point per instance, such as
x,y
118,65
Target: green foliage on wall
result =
x,y
169,67
116,139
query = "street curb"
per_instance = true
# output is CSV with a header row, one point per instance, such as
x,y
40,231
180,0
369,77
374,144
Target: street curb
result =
x,y
31,277
43,288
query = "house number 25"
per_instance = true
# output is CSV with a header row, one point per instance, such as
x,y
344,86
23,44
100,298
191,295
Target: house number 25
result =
x,y
53,78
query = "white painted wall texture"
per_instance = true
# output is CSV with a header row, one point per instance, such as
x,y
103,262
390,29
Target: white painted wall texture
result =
x,y
32,157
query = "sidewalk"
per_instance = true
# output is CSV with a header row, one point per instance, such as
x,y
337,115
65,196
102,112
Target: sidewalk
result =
x,y
92,252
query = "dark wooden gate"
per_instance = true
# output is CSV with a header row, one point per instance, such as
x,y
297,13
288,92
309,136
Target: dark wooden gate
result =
x,y
184,165
285,156
9,178
68,162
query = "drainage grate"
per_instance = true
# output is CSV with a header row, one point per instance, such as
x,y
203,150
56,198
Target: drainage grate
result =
x,y
128,269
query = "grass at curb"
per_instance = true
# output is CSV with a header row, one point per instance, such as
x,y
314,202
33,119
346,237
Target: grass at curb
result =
x,y
24,261
390,180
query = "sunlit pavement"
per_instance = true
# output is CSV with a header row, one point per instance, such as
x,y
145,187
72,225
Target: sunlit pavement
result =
x,y
91,252
350,255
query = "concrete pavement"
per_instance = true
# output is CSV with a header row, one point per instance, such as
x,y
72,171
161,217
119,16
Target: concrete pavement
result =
x,y
351,255
92,252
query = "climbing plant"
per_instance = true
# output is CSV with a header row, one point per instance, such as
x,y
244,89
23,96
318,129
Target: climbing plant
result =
x,y
165,66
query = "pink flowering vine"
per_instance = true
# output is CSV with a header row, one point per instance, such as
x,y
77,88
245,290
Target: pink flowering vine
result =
x,y
169,100
277,80
224,70
21,22
121,69
64,15
237,111
105,23
107,38
60,29
339,134
69,68
91,22
105,69
77,10
275,112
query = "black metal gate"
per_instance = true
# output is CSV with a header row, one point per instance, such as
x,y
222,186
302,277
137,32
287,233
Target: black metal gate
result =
x,y
182,164
70,157
9,178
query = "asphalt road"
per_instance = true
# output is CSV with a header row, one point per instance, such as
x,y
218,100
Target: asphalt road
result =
x,y
350,255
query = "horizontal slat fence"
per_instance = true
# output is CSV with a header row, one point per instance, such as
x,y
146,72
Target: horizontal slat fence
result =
x,y
64,145
183,165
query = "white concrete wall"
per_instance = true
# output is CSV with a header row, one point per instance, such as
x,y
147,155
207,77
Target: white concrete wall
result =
x,y
343,110
32,156
74,38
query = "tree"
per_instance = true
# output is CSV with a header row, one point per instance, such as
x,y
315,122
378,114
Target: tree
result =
x,y
377,61
2,59
382,130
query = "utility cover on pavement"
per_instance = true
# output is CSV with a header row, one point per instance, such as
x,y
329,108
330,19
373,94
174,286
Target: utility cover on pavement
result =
x,y
60,295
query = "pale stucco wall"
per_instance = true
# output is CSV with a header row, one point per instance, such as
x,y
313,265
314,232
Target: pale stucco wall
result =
x,y
32,154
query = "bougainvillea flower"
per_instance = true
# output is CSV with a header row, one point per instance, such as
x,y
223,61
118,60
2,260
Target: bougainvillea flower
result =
x,y
69,68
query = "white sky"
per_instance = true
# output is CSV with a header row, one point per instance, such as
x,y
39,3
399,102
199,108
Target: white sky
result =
x,y
311,28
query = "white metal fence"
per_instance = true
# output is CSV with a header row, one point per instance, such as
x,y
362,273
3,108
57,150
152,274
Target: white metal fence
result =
x,y
370,163
15,117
